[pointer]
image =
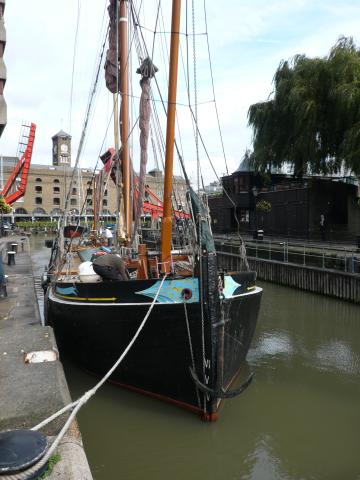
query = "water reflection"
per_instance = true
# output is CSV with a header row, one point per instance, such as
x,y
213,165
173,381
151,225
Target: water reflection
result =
x,y
337,355
299,420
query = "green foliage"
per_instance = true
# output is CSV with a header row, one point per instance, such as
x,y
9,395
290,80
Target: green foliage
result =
x,y
53,460
4,207
37,224
265,179
312,119
263,206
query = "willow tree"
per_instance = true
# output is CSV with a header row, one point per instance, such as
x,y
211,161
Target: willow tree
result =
x,y
312,118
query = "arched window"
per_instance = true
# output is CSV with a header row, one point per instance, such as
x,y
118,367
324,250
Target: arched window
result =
x,y
21,211
56,180
38,211
89,211
56,212
74,191
38,200
38,180
56,189
38,189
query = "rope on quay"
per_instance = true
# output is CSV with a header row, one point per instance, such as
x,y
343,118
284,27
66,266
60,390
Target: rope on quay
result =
x,y
78,403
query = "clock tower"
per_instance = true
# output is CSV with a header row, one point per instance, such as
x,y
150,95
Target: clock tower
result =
x,y
61,149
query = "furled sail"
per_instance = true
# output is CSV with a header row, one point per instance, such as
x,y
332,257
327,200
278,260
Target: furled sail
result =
x,y
147,70
112,70
202,220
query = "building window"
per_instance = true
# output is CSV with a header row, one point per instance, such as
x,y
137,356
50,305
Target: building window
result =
x,y
56,189
38,200
73,201
89,191
74,191
88,201
38,189
39,211
21,211
56,180
56,201
105,193
38,180
56,212
244,216
105,203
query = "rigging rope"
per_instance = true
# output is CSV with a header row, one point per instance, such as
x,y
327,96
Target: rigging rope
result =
x,y
73,64
213,89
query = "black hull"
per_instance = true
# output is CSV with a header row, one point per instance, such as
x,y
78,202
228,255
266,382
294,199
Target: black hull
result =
x,y
173,340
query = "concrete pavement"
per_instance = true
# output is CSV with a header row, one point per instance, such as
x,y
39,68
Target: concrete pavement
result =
x,y
31,391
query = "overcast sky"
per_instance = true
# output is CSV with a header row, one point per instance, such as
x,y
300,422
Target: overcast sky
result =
x,y
248,39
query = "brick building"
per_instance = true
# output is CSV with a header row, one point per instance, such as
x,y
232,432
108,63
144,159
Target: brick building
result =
x,y
47,186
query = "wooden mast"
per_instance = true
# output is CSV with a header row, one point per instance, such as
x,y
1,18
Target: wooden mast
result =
x,y
124,127
166,231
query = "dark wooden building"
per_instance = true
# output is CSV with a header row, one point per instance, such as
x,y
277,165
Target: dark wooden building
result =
x,y
295,205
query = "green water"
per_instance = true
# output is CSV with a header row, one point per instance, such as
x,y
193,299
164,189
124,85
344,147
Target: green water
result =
x,y
299,420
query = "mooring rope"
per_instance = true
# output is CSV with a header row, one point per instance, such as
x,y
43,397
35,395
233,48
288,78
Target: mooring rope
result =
x,y
79,402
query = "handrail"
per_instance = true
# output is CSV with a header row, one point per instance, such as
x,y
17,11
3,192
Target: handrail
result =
x,y
319,256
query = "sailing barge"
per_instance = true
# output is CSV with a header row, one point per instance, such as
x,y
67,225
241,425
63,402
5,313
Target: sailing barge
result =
x,y
195,341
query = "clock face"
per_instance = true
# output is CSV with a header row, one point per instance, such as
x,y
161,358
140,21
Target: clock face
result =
x,y
64,148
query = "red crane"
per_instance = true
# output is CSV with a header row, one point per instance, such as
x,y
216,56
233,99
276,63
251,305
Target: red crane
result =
x,y
21,168
154,207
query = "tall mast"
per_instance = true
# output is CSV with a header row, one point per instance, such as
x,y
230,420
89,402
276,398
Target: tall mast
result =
x,y
124,127
170,138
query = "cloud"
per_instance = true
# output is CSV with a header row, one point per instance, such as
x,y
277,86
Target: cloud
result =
x,y
248,39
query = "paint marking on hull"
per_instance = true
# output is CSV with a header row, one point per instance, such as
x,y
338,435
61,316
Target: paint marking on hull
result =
x,y
90,299
55,298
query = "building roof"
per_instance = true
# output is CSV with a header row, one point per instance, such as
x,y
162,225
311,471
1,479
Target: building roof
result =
x,y
244,166
61,134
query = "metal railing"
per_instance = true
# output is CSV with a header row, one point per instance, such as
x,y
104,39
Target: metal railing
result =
x,y
337,257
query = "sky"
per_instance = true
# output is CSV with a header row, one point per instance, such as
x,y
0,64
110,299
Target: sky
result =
x,y
247,38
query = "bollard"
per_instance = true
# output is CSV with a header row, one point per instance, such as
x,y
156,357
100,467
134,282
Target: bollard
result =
x,y
3,291
14,247
11,258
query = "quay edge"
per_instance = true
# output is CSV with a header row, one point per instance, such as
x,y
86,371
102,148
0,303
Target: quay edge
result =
x,y
30,392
